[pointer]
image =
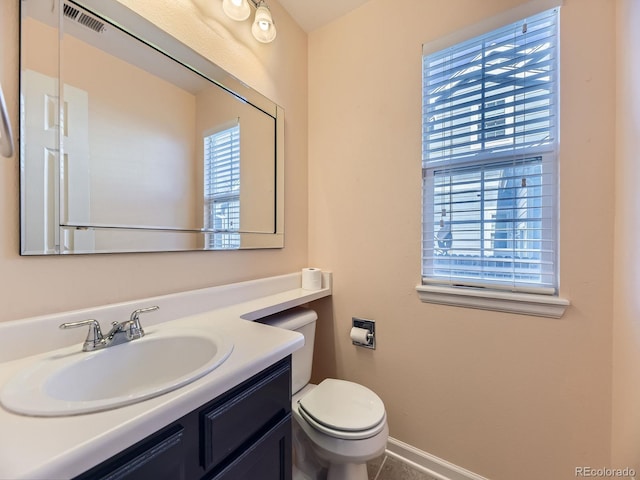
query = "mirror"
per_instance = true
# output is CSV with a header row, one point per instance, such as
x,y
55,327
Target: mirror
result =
x,y
131,141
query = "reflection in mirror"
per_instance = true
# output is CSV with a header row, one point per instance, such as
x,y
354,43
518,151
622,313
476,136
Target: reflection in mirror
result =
x,y
133,142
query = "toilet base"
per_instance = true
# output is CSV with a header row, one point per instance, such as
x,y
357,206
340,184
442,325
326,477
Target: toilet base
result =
x,y
347,471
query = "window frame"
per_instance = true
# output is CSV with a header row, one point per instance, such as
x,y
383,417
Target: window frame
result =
x,y
531,299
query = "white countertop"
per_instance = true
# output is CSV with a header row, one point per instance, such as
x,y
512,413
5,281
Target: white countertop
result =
x,y
62,447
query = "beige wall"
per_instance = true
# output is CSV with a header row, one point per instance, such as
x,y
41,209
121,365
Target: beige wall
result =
x,y
38,285
626,325
506,396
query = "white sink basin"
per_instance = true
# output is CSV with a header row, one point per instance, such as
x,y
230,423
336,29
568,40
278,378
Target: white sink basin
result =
x,y
70,381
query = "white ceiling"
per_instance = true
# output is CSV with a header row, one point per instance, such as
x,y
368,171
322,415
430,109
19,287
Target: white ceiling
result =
x,y
312,14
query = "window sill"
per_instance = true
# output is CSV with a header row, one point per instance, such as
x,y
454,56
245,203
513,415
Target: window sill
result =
x,y
485,299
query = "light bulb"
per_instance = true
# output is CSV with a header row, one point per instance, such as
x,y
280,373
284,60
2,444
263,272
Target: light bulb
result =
x,y
238,10
263,28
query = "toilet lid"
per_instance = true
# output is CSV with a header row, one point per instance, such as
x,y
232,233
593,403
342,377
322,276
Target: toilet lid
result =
x,y
343,406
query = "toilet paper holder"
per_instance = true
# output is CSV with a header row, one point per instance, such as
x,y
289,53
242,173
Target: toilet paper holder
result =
x,y
370,326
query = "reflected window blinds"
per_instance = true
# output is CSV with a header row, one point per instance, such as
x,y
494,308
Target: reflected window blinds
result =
x,y
222,187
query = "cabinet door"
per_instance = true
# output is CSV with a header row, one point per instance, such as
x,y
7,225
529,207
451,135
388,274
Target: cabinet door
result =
x,y
267,459
161,457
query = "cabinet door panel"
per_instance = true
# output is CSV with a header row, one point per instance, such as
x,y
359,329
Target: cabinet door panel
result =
x,y
267,459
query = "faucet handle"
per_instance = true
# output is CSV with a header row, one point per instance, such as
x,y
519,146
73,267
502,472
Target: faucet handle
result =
x,y
134,329
94,338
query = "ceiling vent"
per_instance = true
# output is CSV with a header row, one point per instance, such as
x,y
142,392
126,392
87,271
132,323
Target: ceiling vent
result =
x,y
82,18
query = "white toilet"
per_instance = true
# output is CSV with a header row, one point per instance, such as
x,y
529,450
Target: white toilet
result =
x,y
338,425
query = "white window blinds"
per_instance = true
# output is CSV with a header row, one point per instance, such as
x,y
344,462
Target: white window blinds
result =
x,y
222,187
489,159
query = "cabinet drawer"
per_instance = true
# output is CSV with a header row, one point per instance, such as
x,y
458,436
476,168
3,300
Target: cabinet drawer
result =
x,y
160,457
230,426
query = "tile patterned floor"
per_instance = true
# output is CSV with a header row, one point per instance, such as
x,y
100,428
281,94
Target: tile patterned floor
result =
x,y
387,467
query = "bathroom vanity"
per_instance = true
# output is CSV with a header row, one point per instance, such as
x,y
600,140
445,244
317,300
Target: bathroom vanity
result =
x,y
244,433
226,424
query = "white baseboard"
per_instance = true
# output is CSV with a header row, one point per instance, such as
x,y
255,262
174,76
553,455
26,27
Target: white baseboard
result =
x,y
427,463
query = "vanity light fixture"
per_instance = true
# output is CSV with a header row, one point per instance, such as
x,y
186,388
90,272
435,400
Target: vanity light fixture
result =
x,y
237,10
263,28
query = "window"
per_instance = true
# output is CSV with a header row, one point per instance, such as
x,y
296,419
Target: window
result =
x,y
490,122
222,188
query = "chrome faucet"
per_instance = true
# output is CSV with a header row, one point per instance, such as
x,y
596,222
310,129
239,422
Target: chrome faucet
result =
x,y
120,331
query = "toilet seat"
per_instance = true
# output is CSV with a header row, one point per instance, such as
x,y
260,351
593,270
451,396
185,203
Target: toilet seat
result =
x,y
343,409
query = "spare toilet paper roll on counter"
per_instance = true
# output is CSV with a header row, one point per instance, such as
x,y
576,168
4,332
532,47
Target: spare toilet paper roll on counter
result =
x,y
360,335
311,278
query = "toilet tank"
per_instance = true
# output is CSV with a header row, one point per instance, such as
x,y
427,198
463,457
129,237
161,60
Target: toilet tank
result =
x,y
302,320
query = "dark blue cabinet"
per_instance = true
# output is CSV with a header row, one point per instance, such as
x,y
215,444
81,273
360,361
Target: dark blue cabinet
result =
x,y
243,434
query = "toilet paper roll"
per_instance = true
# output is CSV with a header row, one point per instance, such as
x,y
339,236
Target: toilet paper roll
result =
x,y
311,278
360,335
